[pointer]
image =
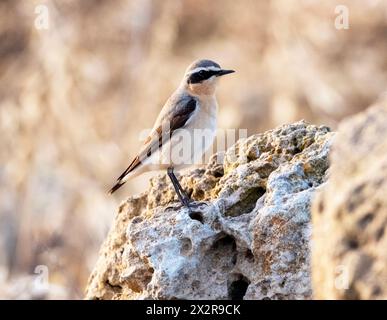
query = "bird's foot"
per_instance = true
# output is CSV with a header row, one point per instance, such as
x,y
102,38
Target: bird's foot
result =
x,y
193,207
187,203
178,206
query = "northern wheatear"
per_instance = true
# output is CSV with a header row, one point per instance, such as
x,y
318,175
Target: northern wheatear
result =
x,y
190,108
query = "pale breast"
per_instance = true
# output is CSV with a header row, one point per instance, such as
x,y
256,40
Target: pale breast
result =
x,y
188,145
202,129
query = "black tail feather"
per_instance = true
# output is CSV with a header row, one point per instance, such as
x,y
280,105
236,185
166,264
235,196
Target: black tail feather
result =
x,y
118,185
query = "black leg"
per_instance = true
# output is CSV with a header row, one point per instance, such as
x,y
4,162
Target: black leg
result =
x,y
178,189
182,192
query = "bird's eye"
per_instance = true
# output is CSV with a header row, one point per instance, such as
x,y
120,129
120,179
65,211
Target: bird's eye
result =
x,y
201,72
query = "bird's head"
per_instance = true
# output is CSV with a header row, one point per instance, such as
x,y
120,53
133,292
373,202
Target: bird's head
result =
x,y
202,76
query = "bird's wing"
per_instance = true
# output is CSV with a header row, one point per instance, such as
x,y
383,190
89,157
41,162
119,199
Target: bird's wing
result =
x,y
174,116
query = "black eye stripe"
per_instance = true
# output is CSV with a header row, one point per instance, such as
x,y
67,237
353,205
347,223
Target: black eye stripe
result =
x,y
201,76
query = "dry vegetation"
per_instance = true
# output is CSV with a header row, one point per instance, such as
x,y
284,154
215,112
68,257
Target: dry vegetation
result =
x,y
72,99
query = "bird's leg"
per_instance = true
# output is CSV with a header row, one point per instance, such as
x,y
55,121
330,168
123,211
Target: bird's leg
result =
x,y
176,183
184,199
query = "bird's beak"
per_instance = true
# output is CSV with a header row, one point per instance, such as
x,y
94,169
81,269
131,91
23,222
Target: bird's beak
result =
x,y
223,72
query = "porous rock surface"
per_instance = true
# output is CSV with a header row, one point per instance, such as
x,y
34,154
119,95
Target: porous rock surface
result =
x,y
248,236
350,212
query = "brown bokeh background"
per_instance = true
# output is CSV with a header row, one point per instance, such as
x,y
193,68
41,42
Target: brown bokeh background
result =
x,y
74,97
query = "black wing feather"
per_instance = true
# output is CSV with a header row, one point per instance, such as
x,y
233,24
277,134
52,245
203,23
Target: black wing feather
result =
x,y
177,118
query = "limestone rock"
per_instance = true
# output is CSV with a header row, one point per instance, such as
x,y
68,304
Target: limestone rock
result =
x,y
350,213
247,237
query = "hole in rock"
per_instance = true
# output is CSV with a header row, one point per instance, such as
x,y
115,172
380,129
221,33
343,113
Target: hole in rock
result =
x,y
225,240
352,243
234,259
223,253
249,255
196,216
247,203
238,287
364,221
186,246
198,194
296,150
218,174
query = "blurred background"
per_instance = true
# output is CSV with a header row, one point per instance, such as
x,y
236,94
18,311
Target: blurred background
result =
x,y
74,96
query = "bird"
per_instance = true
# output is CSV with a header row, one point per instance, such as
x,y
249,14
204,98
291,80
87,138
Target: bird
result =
x,y
190,109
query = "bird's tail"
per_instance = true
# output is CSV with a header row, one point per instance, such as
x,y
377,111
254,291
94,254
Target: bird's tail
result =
x,y
132,171
118,185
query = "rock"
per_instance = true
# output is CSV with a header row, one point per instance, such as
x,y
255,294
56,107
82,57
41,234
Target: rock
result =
x,y
350,213
248,236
